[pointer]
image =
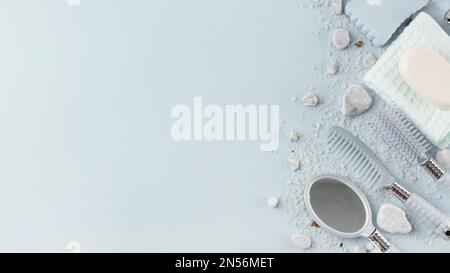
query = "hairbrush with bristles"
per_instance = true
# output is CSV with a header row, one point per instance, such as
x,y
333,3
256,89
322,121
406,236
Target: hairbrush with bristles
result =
x,y
363,162
401,134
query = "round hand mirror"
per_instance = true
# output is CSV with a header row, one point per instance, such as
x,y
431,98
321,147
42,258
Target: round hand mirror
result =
x,y
341,208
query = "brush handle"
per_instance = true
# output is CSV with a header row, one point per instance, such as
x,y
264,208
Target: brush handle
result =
x,y
435,218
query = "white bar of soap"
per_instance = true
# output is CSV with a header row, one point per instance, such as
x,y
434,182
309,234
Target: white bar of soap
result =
x,y
428,74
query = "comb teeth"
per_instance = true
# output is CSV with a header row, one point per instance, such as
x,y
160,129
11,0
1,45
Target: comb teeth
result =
x,y
354,155
401,134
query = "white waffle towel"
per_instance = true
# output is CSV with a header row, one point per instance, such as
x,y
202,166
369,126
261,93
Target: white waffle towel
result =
x,y
385,79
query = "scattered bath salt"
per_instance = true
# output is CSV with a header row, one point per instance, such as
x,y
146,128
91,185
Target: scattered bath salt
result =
x,y
369,60
443,157
393,219
310,99
293,136
294,99
332,67
303,241
356,101
359,249
273,202
337,6
294,164
340,38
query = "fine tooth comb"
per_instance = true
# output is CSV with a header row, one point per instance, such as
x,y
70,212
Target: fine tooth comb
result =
x,y
400,133
380,19
360,159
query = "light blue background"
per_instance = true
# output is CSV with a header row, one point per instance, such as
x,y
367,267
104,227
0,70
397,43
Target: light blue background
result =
x,y
85,98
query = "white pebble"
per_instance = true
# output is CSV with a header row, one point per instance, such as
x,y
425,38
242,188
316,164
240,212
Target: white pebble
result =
x,y
337,6
443,157
359,249
310,99
369,60
294,164
340,38
303,241
272,202
293,136
356,101
393,219
332,67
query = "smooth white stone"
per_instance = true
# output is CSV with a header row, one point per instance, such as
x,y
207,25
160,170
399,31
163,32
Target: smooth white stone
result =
x,y
393,219
340,38
310,99
356,101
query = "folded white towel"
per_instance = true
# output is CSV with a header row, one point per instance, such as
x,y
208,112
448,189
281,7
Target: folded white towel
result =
x,y
386,80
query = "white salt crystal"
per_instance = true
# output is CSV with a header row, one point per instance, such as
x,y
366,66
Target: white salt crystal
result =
x,y
294,164
369,60
303,241
293,136
332,67
337,6
273,202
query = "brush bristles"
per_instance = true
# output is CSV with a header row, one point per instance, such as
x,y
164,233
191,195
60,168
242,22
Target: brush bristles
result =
x,y
401,134
354,156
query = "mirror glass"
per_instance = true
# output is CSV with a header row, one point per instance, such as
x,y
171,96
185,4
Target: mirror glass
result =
x,y
338,206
